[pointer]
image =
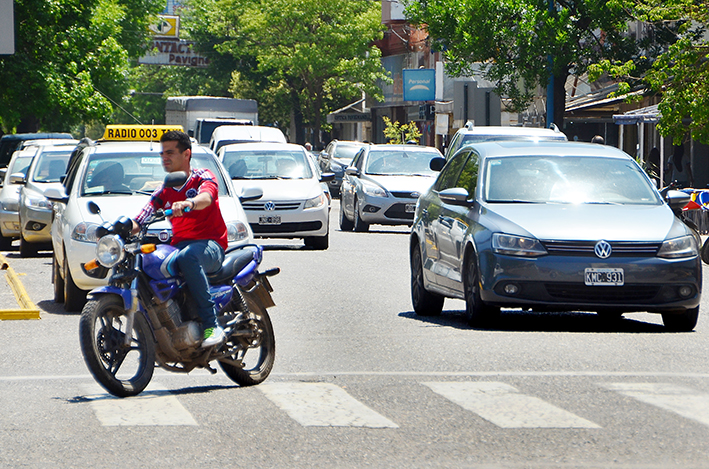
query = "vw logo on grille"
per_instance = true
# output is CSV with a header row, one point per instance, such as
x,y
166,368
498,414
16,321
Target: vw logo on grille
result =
x,y
603,249
415,195
270,206
164,236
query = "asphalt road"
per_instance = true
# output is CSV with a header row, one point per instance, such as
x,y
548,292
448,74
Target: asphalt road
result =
x,y
361,381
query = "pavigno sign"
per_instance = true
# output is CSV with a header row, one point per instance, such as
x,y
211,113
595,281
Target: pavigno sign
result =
x,y
174,52
419,84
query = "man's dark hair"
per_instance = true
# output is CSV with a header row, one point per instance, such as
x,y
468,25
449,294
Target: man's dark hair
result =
x,y
182,139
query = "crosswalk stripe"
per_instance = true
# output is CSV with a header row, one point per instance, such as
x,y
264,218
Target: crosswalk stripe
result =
x,y
681,400
154,406
323,405
504,406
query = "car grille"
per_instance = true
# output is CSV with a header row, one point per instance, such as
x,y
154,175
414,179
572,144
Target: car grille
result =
x,y
398,211
403,194
585,248
583,293
286,227
279,205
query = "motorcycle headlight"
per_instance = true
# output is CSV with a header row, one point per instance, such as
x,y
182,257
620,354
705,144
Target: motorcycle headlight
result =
x,y
38,203
315,202
236,231
676,248
109,250
374,191
85,232
517,245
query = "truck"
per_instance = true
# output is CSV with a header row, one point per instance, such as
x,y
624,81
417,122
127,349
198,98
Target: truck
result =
x,y
200,115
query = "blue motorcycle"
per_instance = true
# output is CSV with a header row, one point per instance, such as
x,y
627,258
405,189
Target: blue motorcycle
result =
x,y
146,316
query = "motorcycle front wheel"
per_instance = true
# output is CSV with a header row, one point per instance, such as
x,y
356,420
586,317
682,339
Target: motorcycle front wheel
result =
x,y
121,369
253,350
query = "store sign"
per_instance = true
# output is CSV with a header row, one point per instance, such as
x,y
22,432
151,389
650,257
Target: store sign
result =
x,y
350,117
419,84
173,52
167,26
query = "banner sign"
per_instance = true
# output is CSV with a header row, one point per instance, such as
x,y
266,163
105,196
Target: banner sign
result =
x,y
419,84
171,52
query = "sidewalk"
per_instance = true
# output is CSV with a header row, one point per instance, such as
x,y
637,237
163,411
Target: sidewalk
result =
x,y
14,301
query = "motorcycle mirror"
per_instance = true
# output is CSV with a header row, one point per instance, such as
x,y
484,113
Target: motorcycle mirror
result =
x,y
94,208
175,179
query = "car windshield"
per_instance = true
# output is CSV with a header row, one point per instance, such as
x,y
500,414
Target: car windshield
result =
x,y
51,166
21,164
127,173
400,163
568,179
344,153
267,164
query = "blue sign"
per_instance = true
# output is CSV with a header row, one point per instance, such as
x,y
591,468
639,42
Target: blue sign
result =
x,y
419,84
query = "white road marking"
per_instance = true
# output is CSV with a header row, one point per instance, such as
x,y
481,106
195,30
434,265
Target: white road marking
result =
x,y
323,405
504,406
686,402
154,406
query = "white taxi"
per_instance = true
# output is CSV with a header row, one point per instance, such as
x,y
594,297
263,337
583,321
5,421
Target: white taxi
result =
x,y
118,173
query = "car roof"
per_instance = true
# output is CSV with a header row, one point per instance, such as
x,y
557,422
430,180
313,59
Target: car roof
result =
x,y
544,148
252,131
34,136
397,147
101,146
272,146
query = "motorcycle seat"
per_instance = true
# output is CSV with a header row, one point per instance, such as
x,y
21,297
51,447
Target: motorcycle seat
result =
x,y
234,261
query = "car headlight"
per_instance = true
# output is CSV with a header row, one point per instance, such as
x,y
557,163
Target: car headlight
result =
x,y
38,203
517,245
109,250
685,246
85,232
373,191
236,231
315,202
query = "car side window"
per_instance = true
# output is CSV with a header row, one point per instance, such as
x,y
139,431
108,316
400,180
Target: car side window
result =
x,y
449,175
358,160
454,145
468,178
74,164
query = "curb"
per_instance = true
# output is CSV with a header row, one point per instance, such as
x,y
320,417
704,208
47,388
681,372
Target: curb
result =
x,y
29,310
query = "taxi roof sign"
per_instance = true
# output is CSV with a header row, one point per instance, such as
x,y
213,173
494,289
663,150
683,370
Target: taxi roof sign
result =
x,y
132,132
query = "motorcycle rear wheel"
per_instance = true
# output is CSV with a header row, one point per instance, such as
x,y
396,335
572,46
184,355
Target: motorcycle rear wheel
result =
x,y
256,353
120,370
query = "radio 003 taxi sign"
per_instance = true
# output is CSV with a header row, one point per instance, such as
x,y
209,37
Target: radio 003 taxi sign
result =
x,y
137,132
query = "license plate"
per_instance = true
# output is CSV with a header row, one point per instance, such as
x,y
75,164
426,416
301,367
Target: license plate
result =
x,y
604,277
410,208
271,220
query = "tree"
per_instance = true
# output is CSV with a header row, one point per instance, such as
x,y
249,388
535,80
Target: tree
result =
x,y
680,74
398,134
296,56
515,39
70,60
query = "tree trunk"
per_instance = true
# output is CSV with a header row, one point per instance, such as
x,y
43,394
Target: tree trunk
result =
x,y
560,99
299,136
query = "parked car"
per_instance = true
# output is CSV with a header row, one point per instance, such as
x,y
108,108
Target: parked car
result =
x,y
10,195
229,134
471,133
335,158
119,173
294,204
553,226
383,184
35,210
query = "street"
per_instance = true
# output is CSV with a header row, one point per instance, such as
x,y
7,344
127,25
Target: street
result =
x,y
360,380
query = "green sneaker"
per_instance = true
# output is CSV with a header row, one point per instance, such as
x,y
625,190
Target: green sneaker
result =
x,y
213,336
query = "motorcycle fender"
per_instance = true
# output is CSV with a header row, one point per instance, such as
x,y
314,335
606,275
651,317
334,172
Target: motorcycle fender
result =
x,y
111,290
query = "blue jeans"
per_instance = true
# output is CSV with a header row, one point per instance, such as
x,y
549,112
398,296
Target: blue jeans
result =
x,y
195,260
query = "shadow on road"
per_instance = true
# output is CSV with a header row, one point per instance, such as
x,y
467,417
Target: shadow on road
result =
x,y
523,321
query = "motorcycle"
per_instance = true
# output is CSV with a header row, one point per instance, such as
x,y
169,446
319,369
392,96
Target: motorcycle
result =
x,y
147,315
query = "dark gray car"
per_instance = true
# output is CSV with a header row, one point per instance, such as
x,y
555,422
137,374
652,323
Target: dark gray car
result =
x,y
553,226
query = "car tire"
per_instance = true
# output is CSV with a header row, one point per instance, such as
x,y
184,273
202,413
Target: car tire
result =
x,y
477,313
58,281
359,225
345,223
27,249
705,251
5,243
319,243
74,297
681,322
424,302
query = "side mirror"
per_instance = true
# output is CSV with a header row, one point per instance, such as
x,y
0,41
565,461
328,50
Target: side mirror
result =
x,y
437,163
56,195
175,179
455,196
250,193
352,171
323,154
677,200
327,177
18,178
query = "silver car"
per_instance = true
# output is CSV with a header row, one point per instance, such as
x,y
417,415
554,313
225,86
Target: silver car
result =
x,y
553,226
383,184
10,195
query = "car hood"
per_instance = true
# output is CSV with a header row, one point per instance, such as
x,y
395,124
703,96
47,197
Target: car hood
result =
x,y
418,184
281,189
577,222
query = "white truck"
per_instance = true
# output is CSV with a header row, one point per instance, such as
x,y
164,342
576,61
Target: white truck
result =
x,y
200,115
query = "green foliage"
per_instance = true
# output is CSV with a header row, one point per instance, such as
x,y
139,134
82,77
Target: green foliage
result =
x,y
295,57
70,60
398,134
